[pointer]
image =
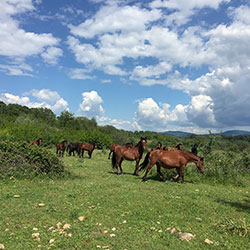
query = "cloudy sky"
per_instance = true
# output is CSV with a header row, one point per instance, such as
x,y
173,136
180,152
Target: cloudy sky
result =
x,y
137,65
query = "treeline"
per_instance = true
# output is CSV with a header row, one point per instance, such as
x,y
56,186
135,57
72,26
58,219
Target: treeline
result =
x,y
227,158
20,123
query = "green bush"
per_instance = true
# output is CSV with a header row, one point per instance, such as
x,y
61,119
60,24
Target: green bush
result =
x,y
20,159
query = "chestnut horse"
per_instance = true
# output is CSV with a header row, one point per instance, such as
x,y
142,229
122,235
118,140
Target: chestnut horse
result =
x,y
113,146
178,147
37,142
171,159
130,154
88,147
60,148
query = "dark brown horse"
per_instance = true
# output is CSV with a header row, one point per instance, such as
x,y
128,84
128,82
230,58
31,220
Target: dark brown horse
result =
x,y
113,146
159,145
130,154
73,147
171,159
37,142
60,148
88,147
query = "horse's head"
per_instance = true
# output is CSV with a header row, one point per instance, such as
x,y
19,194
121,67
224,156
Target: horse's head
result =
x,y
179,146
200,164
143,141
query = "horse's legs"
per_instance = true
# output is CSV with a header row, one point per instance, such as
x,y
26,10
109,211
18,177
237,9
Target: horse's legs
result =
x,y
109,154
90,153
182,174
144,178
159,171
176,178
136,168
82,153
120,165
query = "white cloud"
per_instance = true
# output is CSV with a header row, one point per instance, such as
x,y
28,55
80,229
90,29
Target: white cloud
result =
x,y
44,98
91,105
241,14
80,74
51,55
112,18
182,10
16,43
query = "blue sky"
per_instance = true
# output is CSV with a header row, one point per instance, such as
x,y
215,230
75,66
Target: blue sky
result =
x,y
137,65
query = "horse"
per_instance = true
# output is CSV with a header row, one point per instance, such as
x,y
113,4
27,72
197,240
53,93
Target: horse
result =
x,y
60,148
194,149
72,147
113,146
38,142
176,148
171,159
130,154
159,145
88,147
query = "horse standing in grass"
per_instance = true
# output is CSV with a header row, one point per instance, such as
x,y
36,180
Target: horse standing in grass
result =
x,y
37,142
60,148
88,147
171,159
73,147
130,154
113,146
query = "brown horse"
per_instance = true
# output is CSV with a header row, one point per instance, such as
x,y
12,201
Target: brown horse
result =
x,y
60,148
130,154
171,159
37,142
88,147
178,147
113,146
159,145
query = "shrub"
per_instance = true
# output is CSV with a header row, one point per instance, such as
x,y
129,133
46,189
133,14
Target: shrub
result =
x,y
20,159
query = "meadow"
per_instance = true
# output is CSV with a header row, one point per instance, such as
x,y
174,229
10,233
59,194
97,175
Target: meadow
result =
x,y
90,207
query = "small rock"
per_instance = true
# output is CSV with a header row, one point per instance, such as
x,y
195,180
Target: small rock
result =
x,y
173,230
186,236
16,196
51,241
208,241
198,218
41,204
66,226
81,218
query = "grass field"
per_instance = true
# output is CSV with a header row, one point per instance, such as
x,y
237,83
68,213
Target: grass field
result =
x,y
95,209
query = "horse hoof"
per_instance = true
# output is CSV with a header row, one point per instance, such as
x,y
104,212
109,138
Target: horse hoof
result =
x,y
143,180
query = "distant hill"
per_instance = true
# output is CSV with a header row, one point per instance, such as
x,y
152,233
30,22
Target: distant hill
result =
x,y
235,132
186,134
176,133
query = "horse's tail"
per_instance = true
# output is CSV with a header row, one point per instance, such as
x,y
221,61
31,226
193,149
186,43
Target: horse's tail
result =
x,y
145,162
113,160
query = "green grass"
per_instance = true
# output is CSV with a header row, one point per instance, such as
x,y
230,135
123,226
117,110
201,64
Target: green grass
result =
x,y
141,215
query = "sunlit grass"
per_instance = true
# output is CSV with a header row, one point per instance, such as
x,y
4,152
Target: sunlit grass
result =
x,y
119,212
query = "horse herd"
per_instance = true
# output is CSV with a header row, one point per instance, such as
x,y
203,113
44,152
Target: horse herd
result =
x,y
166,157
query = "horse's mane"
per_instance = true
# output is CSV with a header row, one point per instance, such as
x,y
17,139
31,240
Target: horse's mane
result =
x,y
140,147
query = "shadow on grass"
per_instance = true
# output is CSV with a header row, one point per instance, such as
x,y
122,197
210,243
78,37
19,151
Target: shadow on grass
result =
x,y
240,206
